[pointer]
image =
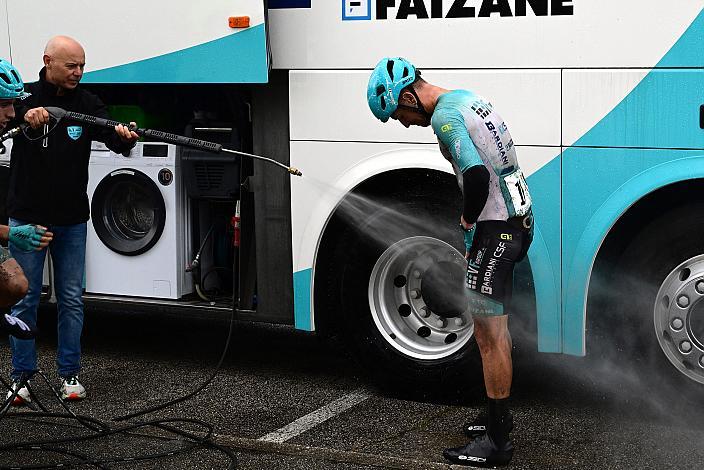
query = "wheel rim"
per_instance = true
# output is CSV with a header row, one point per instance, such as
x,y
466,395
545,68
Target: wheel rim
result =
x,y
397,305
679,318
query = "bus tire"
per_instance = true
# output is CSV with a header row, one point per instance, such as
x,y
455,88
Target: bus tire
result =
x,y
660,268
381,258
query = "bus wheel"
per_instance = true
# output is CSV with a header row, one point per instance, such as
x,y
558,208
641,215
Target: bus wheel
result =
x,y
659,295
679,318
400,287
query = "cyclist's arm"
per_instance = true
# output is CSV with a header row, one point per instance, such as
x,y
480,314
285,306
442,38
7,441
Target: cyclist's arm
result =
x,y
13,283
451,131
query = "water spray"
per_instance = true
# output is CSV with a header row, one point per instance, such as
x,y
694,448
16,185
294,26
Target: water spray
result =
x,y
59,113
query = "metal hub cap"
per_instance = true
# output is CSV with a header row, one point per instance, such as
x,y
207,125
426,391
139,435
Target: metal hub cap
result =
x,y
399,309
679,318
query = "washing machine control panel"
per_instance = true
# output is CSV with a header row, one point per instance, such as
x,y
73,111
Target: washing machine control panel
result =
x,y
155,150
166,176
151,154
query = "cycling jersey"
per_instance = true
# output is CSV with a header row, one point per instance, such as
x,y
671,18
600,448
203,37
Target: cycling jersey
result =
x,y
471,133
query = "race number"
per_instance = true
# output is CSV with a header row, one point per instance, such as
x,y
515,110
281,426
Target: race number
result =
x,y
515,184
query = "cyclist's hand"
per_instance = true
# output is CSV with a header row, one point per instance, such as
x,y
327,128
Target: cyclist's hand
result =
x,y
47,237
468,230
28,237
468,238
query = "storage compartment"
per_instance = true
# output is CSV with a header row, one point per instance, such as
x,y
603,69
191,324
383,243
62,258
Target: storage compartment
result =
x,y
212,175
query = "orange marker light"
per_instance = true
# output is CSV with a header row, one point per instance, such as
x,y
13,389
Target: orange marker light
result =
x,y
239,21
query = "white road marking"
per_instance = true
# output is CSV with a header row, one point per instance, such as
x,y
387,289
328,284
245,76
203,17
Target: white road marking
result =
x,y
330,455
316,417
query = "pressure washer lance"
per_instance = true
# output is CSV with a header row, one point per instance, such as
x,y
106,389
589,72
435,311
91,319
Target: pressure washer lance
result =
x,y
59,113
13,132
10,134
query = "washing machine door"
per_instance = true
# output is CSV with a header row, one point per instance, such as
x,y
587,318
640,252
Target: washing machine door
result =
x,y
128,212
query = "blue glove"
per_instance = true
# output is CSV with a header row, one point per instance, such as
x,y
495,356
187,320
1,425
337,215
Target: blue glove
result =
x,y
26,237
469,237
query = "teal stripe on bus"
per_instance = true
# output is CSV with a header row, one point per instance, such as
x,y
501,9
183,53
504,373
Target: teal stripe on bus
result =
x,y
600,184
236,58
301,299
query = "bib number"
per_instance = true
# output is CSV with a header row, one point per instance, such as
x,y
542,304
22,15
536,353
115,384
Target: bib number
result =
x,y
515,184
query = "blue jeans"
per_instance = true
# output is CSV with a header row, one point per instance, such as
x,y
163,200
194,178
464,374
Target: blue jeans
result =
x,y
68,252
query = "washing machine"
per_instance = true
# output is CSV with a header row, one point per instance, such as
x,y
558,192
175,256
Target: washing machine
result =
x,y
138,239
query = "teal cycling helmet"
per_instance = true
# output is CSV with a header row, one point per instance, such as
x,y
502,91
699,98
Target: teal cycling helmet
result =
x,y
390,76
11,84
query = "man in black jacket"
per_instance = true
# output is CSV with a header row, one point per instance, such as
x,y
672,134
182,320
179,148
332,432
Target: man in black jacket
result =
x,y
48,187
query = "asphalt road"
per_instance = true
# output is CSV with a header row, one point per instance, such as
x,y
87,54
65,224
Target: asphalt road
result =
x,y
284,399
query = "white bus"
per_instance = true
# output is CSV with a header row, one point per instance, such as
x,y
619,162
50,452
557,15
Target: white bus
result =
x,y
604,100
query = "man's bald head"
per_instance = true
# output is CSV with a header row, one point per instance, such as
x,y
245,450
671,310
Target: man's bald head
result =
x,y
64,59
63,44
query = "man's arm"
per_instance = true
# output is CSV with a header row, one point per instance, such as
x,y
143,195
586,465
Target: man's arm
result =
x,y
118,140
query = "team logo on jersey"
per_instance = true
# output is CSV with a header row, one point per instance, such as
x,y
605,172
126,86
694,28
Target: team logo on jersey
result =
x,y
482,108
74,132
446,128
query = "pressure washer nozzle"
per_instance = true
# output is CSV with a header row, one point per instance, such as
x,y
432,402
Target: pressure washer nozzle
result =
x,y
295,171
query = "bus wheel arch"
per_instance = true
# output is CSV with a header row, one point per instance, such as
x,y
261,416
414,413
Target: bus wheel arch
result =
x,y
653,247
345,269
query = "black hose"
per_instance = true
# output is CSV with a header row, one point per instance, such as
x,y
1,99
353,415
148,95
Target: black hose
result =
x,y
197,390
102,429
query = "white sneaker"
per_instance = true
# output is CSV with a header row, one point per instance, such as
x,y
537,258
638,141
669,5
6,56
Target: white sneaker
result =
x,y
22,396
71,389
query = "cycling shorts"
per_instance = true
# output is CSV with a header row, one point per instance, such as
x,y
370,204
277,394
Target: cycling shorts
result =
x,y
497,246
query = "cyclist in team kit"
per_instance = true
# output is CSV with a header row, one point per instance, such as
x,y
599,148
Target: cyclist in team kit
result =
x,y
13,283
497,221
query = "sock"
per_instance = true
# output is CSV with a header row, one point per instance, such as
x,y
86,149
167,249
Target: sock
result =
x,y
498,425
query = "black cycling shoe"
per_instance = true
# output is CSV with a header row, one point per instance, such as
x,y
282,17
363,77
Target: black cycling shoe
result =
x,y
480,452
477,427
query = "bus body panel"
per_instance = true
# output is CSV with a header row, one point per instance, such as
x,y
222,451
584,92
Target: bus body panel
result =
x,y
4,35
660,115
603,107
597,33
315,95
545,254
661,111
589,215
144,42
